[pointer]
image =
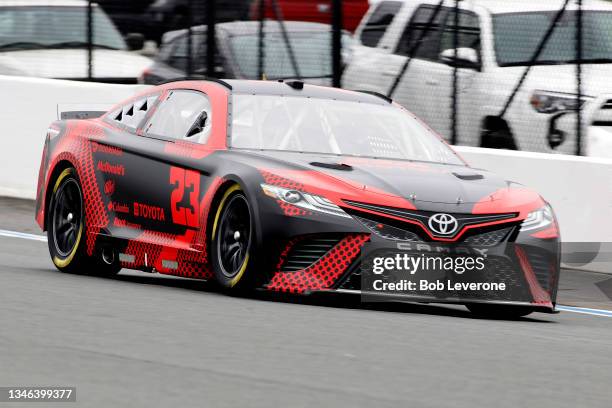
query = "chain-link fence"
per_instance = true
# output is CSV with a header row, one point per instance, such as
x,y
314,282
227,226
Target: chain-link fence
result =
x,y
525,74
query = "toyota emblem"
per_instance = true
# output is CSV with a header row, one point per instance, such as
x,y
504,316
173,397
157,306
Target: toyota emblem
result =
x,y
443,224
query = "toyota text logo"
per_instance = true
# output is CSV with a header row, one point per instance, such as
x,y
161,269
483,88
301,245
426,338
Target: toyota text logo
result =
x,y
443,224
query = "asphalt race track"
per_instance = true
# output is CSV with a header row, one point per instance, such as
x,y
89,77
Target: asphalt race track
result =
x,y
144,340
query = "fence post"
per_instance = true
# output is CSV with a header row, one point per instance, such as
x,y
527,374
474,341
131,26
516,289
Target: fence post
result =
x,y
260,42
211,37
579,79
90,40
189,37
337,43
454,102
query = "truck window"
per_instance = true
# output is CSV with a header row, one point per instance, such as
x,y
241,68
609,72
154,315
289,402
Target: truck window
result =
x,y
430,46
469,31
378,22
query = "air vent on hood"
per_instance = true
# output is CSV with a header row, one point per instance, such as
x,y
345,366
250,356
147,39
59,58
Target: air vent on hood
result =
x,y
468,176
334,166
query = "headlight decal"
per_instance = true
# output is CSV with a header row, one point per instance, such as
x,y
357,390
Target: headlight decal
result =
x,y
541,222
305,201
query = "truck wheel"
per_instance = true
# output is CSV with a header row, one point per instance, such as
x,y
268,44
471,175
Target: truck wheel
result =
x,y
498,139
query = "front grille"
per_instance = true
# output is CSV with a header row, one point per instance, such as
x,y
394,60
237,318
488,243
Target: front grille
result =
x,y
308,251
488,239
388,231
422,217
408,232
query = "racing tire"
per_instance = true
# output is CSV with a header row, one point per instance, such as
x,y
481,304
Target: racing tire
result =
x,y
66,230
232,241
499,311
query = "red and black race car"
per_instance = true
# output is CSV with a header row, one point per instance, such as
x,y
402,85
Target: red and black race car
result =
x,y
292,188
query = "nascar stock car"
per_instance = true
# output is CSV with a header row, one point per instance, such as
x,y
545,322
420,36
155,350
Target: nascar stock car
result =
x,y
286,187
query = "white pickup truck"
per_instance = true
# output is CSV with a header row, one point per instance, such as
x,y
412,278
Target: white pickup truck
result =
x,y
496,43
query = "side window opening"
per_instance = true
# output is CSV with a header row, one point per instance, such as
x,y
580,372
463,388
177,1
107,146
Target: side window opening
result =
x,y
378,22
185,114
419,25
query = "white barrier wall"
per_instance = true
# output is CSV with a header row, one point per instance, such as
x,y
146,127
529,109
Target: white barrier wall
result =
x,y
27,107
579,188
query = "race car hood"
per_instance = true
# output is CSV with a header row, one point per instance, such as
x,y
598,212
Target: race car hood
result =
x,y
72,63
429,186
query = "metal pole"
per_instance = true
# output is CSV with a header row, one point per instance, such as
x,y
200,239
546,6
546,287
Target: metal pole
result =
x,y
260,43
414,48
454,104
337,43
579,50
211,37
90,40
189,37
278,14
535,56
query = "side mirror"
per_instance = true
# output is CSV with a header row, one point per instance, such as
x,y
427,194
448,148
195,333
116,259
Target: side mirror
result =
x,y
463,58
135,41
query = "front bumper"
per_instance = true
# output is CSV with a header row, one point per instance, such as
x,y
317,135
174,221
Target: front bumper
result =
x,y
528,267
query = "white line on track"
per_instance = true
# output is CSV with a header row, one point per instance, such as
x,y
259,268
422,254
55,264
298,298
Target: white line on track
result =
x,y
22,235
581,310
585,310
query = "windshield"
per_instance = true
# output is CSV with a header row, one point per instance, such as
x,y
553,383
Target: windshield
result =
x,y
517,36
312,52
325,126
55,27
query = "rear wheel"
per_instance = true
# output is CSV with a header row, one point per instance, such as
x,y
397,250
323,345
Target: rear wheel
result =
x,y
66,230
232,240
499,311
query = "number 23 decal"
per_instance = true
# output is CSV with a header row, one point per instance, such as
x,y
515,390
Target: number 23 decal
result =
x,y
185,208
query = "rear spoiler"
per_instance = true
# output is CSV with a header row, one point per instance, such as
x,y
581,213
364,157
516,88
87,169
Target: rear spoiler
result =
x,y
81,111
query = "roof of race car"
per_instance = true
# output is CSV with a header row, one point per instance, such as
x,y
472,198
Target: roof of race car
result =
x,y
242,86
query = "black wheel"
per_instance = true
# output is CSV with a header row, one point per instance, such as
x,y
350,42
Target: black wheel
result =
x,y
499,311
66,230
232,239
498,139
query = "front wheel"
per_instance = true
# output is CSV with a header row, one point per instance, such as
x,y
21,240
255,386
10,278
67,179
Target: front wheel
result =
x,y
499,311
232,241
66,230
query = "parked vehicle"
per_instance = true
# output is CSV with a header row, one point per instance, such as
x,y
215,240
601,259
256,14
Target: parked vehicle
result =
x,y
497,40
316,11
49,39
237,52
170,15
128,16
